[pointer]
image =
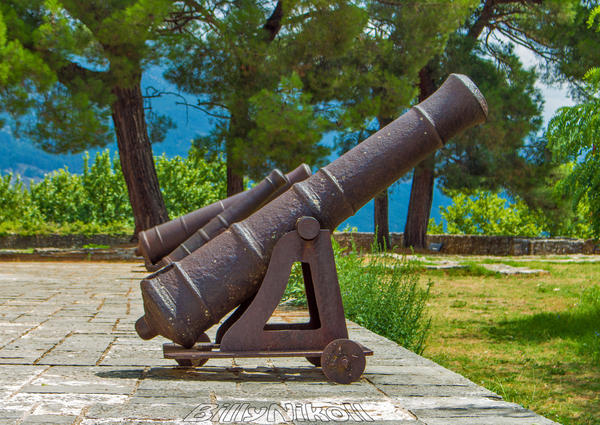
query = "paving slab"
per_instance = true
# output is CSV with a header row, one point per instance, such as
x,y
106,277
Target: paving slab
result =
x,y
69,355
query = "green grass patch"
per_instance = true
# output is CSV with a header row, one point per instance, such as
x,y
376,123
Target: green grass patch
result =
x,y
580,324
468,268
79,228
535,340
95,246
19,251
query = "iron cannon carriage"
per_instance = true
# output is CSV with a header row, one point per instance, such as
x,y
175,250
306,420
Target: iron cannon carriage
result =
x,y
243,260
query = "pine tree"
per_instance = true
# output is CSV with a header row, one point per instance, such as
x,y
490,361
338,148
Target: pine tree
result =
x,y
399,40
79,64
503,153
262,70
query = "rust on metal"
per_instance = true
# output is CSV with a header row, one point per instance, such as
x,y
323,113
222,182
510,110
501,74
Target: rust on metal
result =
x,y
204,345
185,298
252,332
321,340
343,361
212,351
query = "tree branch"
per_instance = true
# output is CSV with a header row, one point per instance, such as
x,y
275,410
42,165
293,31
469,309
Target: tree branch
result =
x,y
273,24
71,72
489,13
206,111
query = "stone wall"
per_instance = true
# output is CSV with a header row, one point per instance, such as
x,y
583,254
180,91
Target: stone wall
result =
x,y
450,244
61,241
483,245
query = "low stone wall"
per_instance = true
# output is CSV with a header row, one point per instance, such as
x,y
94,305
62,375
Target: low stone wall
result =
x,y
482,245
450,244
61,241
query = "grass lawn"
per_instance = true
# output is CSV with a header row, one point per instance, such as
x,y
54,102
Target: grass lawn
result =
x,y
535,340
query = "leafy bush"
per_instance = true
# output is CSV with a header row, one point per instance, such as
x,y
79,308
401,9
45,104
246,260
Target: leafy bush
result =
x,y
97,200
487,213
16,201
381,293
190,183
106,199
98,196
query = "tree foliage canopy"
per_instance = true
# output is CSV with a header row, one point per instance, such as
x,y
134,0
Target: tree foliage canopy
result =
x,y
82,64
573,136
61,60
399,40
262,70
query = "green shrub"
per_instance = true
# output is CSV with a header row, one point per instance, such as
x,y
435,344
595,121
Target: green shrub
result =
x,y
98,196
16,203
106,200
190,183
97,200
294,291
487,213
384,295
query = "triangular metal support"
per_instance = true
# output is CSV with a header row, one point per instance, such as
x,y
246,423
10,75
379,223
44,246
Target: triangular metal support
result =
x,y
247,328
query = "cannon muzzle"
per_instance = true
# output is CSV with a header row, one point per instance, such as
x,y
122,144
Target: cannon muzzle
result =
x,y
187,297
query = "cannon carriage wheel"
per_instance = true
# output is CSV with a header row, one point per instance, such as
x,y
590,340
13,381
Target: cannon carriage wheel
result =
x,y
343,361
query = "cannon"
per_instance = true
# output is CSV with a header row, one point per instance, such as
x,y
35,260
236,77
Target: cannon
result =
x,y
155,243
246,267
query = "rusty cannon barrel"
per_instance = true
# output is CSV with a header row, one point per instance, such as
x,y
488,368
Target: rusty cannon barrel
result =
x,y
158,241
238,211
184,299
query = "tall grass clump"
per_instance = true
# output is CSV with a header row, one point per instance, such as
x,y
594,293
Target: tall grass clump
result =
x,y
380,292
383,293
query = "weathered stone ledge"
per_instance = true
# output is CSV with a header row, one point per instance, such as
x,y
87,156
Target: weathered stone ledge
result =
x,y
483,245
62,241
450,244
70,254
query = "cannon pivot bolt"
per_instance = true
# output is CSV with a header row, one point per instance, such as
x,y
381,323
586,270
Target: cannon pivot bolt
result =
x,y
308,228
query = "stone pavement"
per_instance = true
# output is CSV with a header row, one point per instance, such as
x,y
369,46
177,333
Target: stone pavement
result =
x,y
69,355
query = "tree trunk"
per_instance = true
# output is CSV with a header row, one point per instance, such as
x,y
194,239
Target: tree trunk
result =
x,y
421,192
137,162
235,182
381,215
419,207
381,218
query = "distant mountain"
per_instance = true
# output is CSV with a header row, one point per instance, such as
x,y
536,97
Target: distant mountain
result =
x,y
22,157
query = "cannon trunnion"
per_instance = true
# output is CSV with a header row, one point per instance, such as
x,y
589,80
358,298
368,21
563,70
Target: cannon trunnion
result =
x,y
248,265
